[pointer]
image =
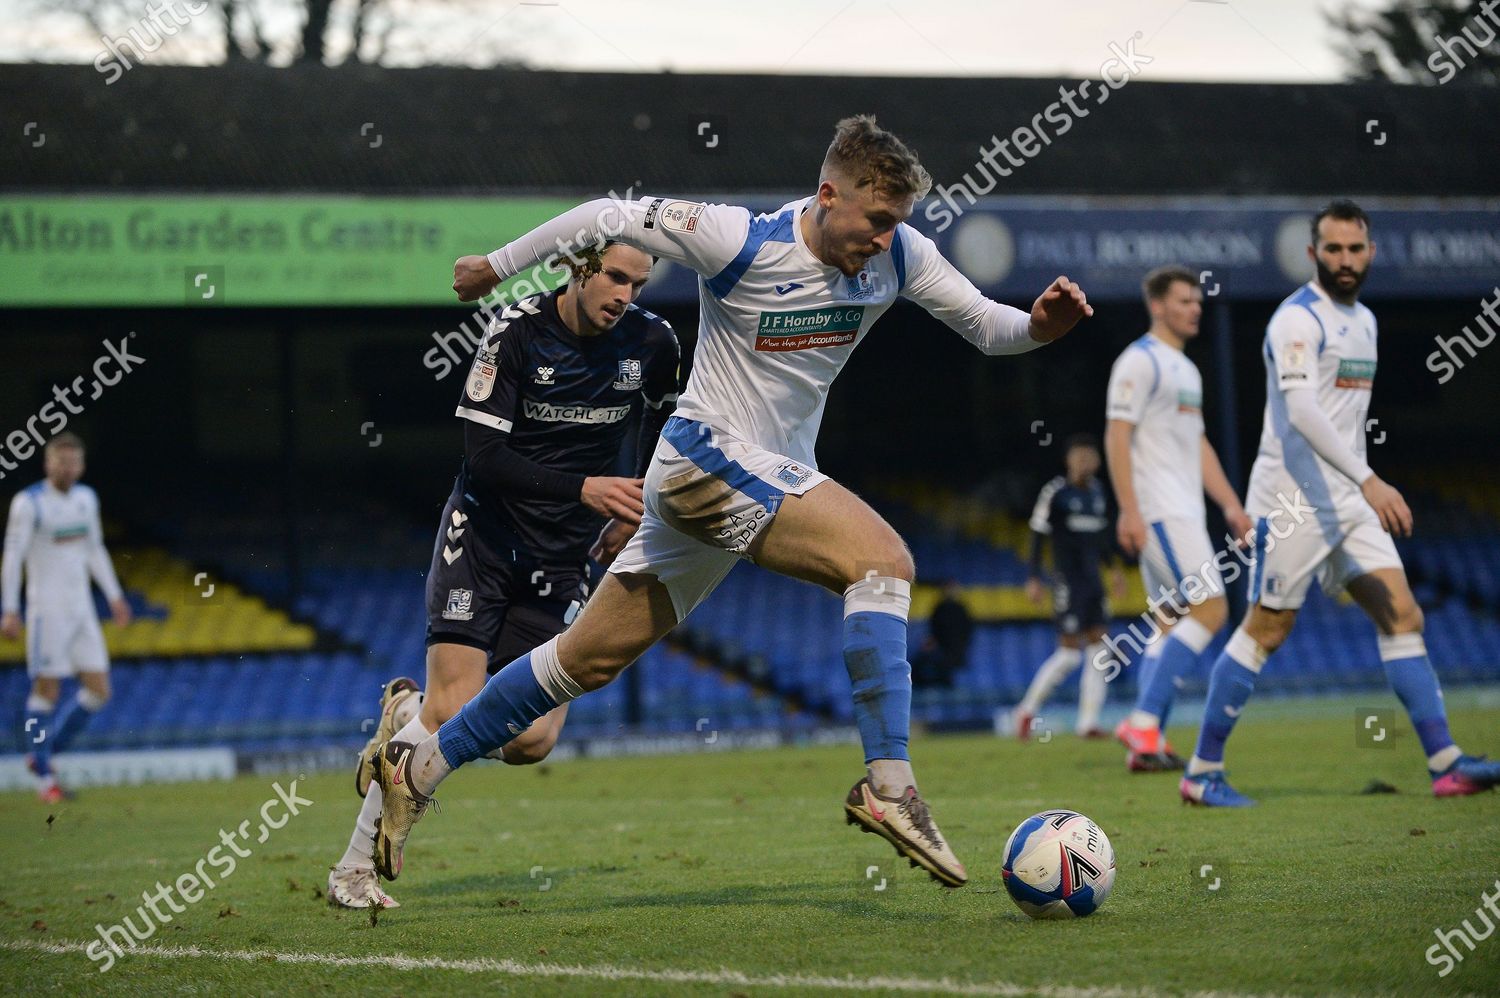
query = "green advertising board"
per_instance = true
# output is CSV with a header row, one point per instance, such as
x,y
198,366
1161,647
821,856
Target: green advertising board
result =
x,y
248,250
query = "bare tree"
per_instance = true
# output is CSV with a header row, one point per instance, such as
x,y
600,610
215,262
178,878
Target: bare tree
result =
x,y
1426,43
285,32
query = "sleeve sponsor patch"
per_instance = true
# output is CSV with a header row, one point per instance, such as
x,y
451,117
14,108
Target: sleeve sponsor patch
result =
x,y
481,381
1295,366
680,216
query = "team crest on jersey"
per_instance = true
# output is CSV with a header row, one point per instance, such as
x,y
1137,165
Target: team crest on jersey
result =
x,y
791,474
481,380
1189,401
860,287
460,605
544,376
630,376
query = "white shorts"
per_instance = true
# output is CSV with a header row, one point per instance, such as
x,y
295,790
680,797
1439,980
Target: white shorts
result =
x,y
708,496
1286,559
1179,560
63,644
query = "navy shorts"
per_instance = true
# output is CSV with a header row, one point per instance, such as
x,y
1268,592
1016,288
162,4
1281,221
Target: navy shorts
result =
x,y
485,593
1079,605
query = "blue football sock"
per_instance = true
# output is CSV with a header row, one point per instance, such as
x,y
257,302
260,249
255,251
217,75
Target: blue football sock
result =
x,y
71,718
1184,643
875,655
1416,685
36,736
1229,689
513,698
507,705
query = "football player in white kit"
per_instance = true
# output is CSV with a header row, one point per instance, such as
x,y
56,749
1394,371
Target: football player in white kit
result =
x,y
54,535
784,299
1320,361
1161,464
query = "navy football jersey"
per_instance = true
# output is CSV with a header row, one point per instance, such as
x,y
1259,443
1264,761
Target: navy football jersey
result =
x,y
1077,519
565,401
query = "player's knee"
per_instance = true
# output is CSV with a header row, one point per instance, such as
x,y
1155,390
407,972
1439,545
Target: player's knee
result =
x,y
1408,619
46,688
441,703
1212,613
890,558
1269,628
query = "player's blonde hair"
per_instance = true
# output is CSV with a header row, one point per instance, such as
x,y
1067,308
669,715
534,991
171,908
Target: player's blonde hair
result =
x,y
873,157
66,440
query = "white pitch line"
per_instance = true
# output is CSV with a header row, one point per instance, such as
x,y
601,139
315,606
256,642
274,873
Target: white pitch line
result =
x,y
608,972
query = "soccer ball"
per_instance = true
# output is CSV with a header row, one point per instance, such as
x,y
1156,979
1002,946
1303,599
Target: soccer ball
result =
x,y
1058,864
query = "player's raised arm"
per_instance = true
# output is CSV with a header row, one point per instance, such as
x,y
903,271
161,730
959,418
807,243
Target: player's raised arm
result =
x,y
995,328
1293,339
704,237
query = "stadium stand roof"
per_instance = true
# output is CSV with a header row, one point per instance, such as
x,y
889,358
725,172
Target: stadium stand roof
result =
x,y
357,129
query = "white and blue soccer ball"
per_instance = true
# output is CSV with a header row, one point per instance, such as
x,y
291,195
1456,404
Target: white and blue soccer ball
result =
x,y
1058,864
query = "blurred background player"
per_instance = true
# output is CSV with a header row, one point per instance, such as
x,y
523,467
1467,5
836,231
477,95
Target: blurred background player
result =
x,y
1161,464
785,298
55,539
1072,510
945,649
1321,511
545,410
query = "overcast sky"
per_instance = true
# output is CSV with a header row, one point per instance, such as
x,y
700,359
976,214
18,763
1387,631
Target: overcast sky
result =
x,y
1272,40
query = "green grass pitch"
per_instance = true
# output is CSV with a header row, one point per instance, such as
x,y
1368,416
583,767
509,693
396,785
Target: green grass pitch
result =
x,y
734,874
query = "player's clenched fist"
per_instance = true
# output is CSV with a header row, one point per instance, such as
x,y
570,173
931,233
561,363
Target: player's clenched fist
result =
x,y
473,277
1058,310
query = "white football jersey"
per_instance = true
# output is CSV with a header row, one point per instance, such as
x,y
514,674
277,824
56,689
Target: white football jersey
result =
x,y
57,537
1157,388
1314,344
776,325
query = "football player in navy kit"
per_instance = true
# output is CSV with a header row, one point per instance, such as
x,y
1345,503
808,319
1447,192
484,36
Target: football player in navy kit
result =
x,y
545,409
1071,509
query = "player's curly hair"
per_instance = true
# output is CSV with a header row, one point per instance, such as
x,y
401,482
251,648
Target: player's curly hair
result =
x,y
584,263
875,158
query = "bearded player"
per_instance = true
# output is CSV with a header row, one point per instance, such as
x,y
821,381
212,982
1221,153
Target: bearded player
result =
x,y
784,300
1320,361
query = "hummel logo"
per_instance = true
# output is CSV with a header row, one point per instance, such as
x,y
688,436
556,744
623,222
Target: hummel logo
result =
x,y
786,289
